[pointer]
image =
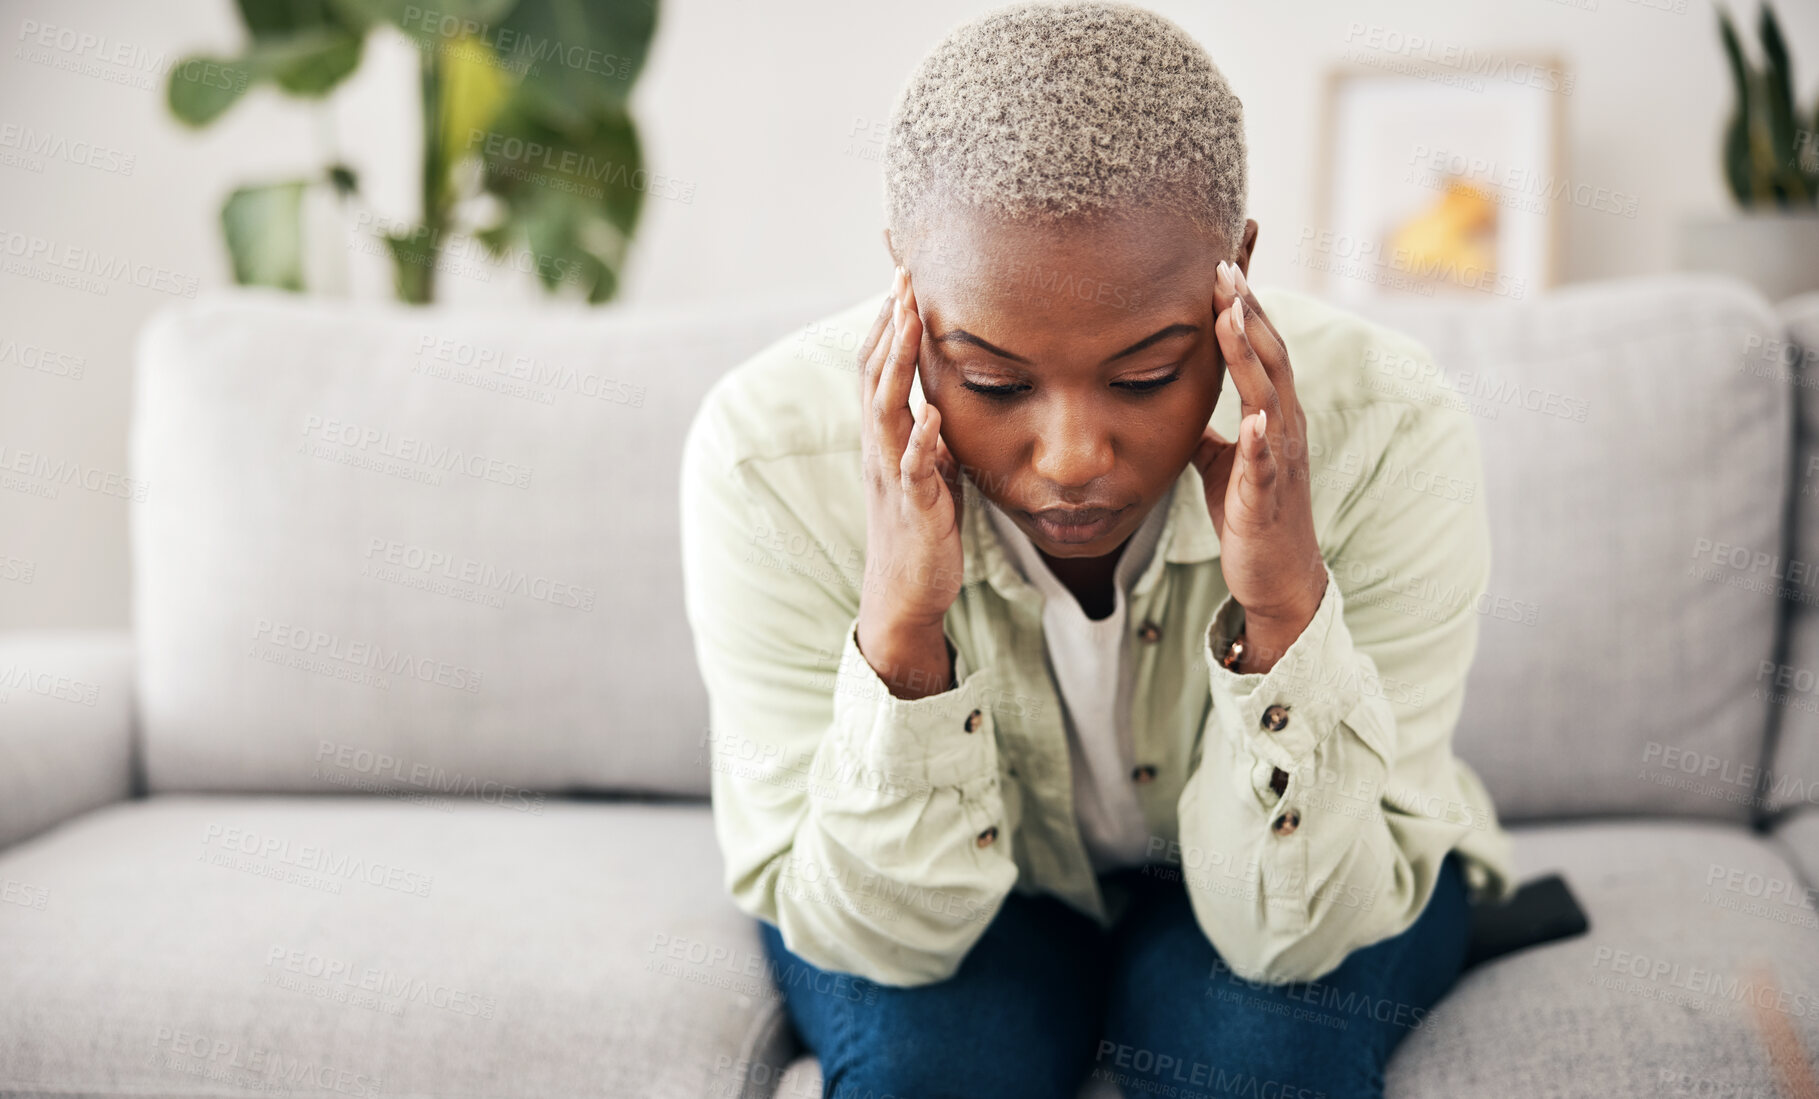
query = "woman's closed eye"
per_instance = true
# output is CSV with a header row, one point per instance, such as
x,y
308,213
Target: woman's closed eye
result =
x,y
1005,392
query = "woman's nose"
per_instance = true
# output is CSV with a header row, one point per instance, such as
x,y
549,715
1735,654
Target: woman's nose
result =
x,y
1071,451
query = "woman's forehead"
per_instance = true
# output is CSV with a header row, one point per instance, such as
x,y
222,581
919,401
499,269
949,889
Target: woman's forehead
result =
x,y
1141,257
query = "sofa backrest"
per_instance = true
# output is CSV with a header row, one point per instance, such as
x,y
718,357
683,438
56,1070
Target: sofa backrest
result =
x,y
436,552
1636,464
1792,681
421,550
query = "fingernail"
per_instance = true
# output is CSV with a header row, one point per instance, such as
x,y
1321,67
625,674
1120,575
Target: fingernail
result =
x,y
1263,422
1238,275
1238,314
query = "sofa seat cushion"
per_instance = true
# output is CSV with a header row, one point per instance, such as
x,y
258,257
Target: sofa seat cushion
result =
x,y
1696,977
368,946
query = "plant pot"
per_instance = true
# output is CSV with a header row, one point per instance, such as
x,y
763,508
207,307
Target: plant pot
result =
x,y
1778,253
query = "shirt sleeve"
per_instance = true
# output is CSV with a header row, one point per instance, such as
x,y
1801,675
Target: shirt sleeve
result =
x,y
1326,788
868,828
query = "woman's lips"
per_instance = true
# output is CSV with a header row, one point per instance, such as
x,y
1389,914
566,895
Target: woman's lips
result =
x,y
1076,526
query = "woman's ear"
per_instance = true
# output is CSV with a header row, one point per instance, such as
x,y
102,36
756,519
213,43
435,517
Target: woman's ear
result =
x,y
891,247
1245,247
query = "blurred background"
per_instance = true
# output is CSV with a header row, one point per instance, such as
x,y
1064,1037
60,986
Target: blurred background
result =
x,y
694,151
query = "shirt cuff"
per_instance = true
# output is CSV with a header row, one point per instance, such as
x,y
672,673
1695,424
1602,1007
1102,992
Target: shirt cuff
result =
x,y
943,739
1316,683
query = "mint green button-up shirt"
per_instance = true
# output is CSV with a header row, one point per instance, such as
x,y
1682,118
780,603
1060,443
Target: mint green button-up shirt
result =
x,y
881,835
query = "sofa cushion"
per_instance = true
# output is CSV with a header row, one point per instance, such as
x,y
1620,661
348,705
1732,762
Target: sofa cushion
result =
x,y
1635,475
1698,976
373,946
1792,682
426,549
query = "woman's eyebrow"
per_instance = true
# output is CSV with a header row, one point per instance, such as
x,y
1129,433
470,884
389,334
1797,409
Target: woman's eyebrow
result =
x,y
961,335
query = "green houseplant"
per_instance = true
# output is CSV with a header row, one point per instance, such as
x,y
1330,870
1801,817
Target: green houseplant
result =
x,y
1771,154
1769,160
523,101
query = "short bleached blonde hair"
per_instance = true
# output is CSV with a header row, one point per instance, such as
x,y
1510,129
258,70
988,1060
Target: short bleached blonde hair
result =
x,y
1049,110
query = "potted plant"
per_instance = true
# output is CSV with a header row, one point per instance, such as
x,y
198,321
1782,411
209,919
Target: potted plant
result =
x,y
1771,166
524,117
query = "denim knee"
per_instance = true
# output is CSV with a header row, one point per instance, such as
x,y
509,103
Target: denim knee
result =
x,y
891,1068
1291,1059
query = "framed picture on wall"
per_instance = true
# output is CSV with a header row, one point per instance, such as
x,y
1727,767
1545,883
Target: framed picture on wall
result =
x,y
1438,179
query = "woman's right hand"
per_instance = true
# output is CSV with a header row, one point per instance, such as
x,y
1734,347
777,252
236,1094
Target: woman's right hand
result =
x,y
913,498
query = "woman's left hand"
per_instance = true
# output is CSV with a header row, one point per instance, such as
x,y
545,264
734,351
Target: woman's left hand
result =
x,y
1257,489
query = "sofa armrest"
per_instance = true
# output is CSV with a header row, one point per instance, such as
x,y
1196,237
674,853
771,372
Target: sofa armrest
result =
x,y
66,726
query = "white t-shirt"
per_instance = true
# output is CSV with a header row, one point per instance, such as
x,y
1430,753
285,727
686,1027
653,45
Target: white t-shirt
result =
x,y
1094,674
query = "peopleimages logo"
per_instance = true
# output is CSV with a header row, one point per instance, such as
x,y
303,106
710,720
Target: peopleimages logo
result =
x,y
411,451
254,1067
380,766
32,147
466,570
61,471
49,684
1700,985
388,986
1749,779
363,654
316,859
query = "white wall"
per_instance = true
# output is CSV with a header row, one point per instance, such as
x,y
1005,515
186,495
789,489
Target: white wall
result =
x,y
756,105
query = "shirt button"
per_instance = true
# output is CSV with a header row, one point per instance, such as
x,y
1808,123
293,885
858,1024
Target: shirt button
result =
x,y
973,721
1150,632
1278,781
1286,823
1275,719
986,837
1145,773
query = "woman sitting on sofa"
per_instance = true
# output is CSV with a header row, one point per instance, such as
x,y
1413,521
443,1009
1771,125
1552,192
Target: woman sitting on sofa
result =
x,y
1082,692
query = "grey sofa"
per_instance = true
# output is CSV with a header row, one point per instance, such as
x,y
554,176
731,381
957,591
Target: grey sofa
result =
x,y
396,786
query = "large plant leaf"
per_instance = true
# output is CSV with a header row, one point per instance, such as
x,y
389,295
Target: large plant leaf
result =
x,y
202,88
283,18
578,192
1733,53
312,64
1737,159
600,162
583,56
1778,95
308,63
571,242
1737,133
263,226
436,20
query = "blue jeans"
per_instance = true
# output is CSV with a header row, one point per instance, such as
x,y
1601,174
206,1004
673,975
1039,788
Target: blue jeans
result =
x,y
1045,999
